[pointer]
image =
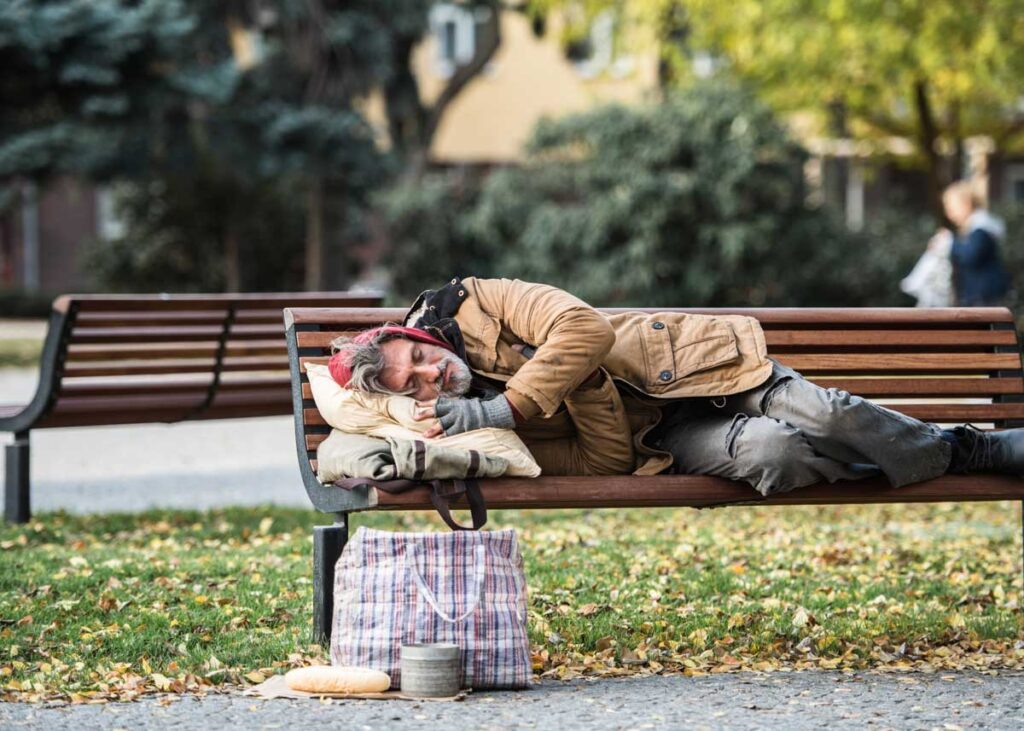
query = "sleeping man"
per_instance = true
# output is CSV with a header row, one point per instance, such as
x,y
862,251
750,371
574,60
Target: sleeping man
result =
x,y
595,394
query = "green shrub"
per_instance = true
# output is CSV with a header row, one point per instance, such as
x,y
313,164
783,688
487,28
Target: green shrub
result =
x,y
429,232
175,236
21,303
697,201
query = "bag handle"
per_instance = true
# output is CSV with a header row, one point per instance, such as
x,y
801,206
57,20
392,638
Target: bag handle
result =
x,y
426,593
442,493
441,496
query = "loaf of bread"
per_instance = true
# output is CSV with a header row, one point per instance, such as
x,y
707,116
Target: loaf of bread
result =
x,y
325,679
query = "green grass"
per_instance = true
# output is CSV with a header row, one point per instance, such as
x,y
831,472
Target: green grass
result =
x,y
113,606
20,353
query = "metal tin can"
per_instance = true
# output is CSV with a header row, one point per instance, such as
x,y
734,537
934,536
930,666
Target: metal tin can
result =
x,y
431,670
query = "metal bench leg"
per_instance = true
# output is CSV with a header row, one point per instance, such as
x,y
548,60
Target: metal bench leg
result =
x,y
328,540
17,508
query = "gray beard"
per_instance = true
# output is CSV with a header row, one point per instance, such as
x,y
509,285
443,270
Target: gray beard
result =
x,y
460,379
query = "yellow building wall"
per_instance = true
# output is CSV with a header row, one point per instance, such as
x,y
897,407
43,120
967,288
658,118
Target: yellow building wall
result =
x,y
528,78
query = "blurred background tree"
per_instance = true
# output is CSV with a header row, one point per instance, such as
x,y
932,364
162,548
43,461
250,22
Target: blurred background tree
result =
x,y
228,108
700,200
237,136
229,119
97,89
933,73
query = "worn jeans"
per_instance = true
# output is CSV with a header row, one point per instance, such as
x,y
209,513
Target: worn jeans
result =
x,y
789,433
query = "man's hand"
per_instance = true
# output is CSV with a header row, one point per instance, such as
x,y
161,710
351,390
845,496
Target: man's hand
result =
x,y
458,415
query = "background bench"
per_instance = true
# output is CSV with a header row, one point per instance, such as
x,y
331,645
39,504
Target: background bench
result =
x,y
130,359
945,365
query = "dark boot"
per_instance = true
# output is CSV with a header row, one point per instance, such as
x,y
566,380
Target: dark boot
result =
x,y
975,450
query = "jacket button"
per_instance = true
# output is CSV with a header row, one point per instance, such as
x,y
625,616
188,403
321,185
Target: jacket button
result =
x,y
462,293
455,281
665,375
658,325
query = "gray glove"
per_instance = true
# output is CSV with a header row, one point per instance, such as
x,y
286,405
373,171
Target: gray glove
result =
x,y
459,415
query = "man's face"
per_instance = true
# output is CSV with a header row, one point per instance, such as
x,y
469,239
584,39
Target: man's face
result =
x,y
423,371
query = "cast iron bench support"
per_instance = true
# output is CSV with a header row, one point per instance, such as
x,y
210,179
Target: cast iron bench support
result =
x,y
328,540
17,505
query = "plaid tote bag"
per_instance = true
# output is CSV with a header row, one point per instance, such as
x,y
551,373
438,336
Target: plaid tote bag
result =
x,y
465,587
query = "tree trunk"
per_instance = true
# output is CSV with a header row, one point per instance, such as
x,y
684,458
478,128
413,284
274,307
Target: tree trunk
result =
x,y
411,124
403,107
232,259
837,180
927,136
314,235
959,167
488,39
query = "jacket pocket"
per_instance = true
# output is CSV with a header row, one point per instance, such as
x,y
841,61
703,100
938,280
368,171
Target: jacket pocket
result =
x,y
673,351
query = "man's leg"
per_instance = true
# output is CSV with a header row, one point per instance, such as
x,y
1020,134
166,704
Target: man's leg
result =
x,y
764,452
849,428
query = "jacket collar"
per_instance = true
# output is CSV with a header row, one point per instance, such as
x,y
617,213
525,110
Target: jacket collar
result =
x,y
434,312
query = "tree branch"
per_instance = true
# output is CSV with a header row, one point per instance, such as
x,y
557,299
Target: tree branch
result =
x,y
484,52
888,124
1015,128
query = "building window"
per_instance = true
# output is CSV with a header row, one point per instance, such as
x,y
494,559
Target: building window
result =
x,y
454,31
595,53
1015,183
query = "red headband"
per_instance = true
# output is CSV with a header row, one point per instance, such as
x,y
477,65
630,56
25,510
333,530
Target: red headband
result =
x,y
339,364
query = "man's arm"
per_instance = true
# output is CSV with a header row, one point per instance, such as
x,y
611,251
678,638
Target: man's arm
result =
x,y
571,339
603,443
566,340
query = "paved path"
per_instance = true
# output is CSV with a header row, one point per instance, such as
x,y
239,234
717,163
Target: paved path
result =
x,y
748,701
132,468
22,329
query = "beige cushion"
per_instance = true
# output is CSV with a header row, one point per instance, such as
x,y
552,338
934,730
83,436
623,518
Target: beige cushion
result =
x,y
382,416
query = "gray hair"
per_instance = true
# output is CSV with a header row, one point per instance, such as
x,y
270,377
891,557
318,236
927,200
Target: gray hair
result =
x,y
366,360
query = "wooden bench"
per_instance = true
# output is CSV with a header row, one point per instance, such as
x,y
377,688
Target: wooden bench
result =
x,y
131,359
944,365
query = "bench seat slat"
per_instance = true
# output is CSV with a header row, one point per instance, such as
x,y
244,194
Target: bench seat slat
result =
x,y
702,491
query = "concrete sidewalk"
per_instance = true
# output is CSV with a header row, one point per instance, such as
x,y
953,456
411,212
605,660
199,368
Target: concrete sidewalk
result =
x,y
809,700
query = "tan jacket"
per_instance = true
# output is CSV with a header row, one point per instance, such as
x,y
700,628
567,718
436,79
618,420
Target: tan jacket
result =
x,y
669,355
